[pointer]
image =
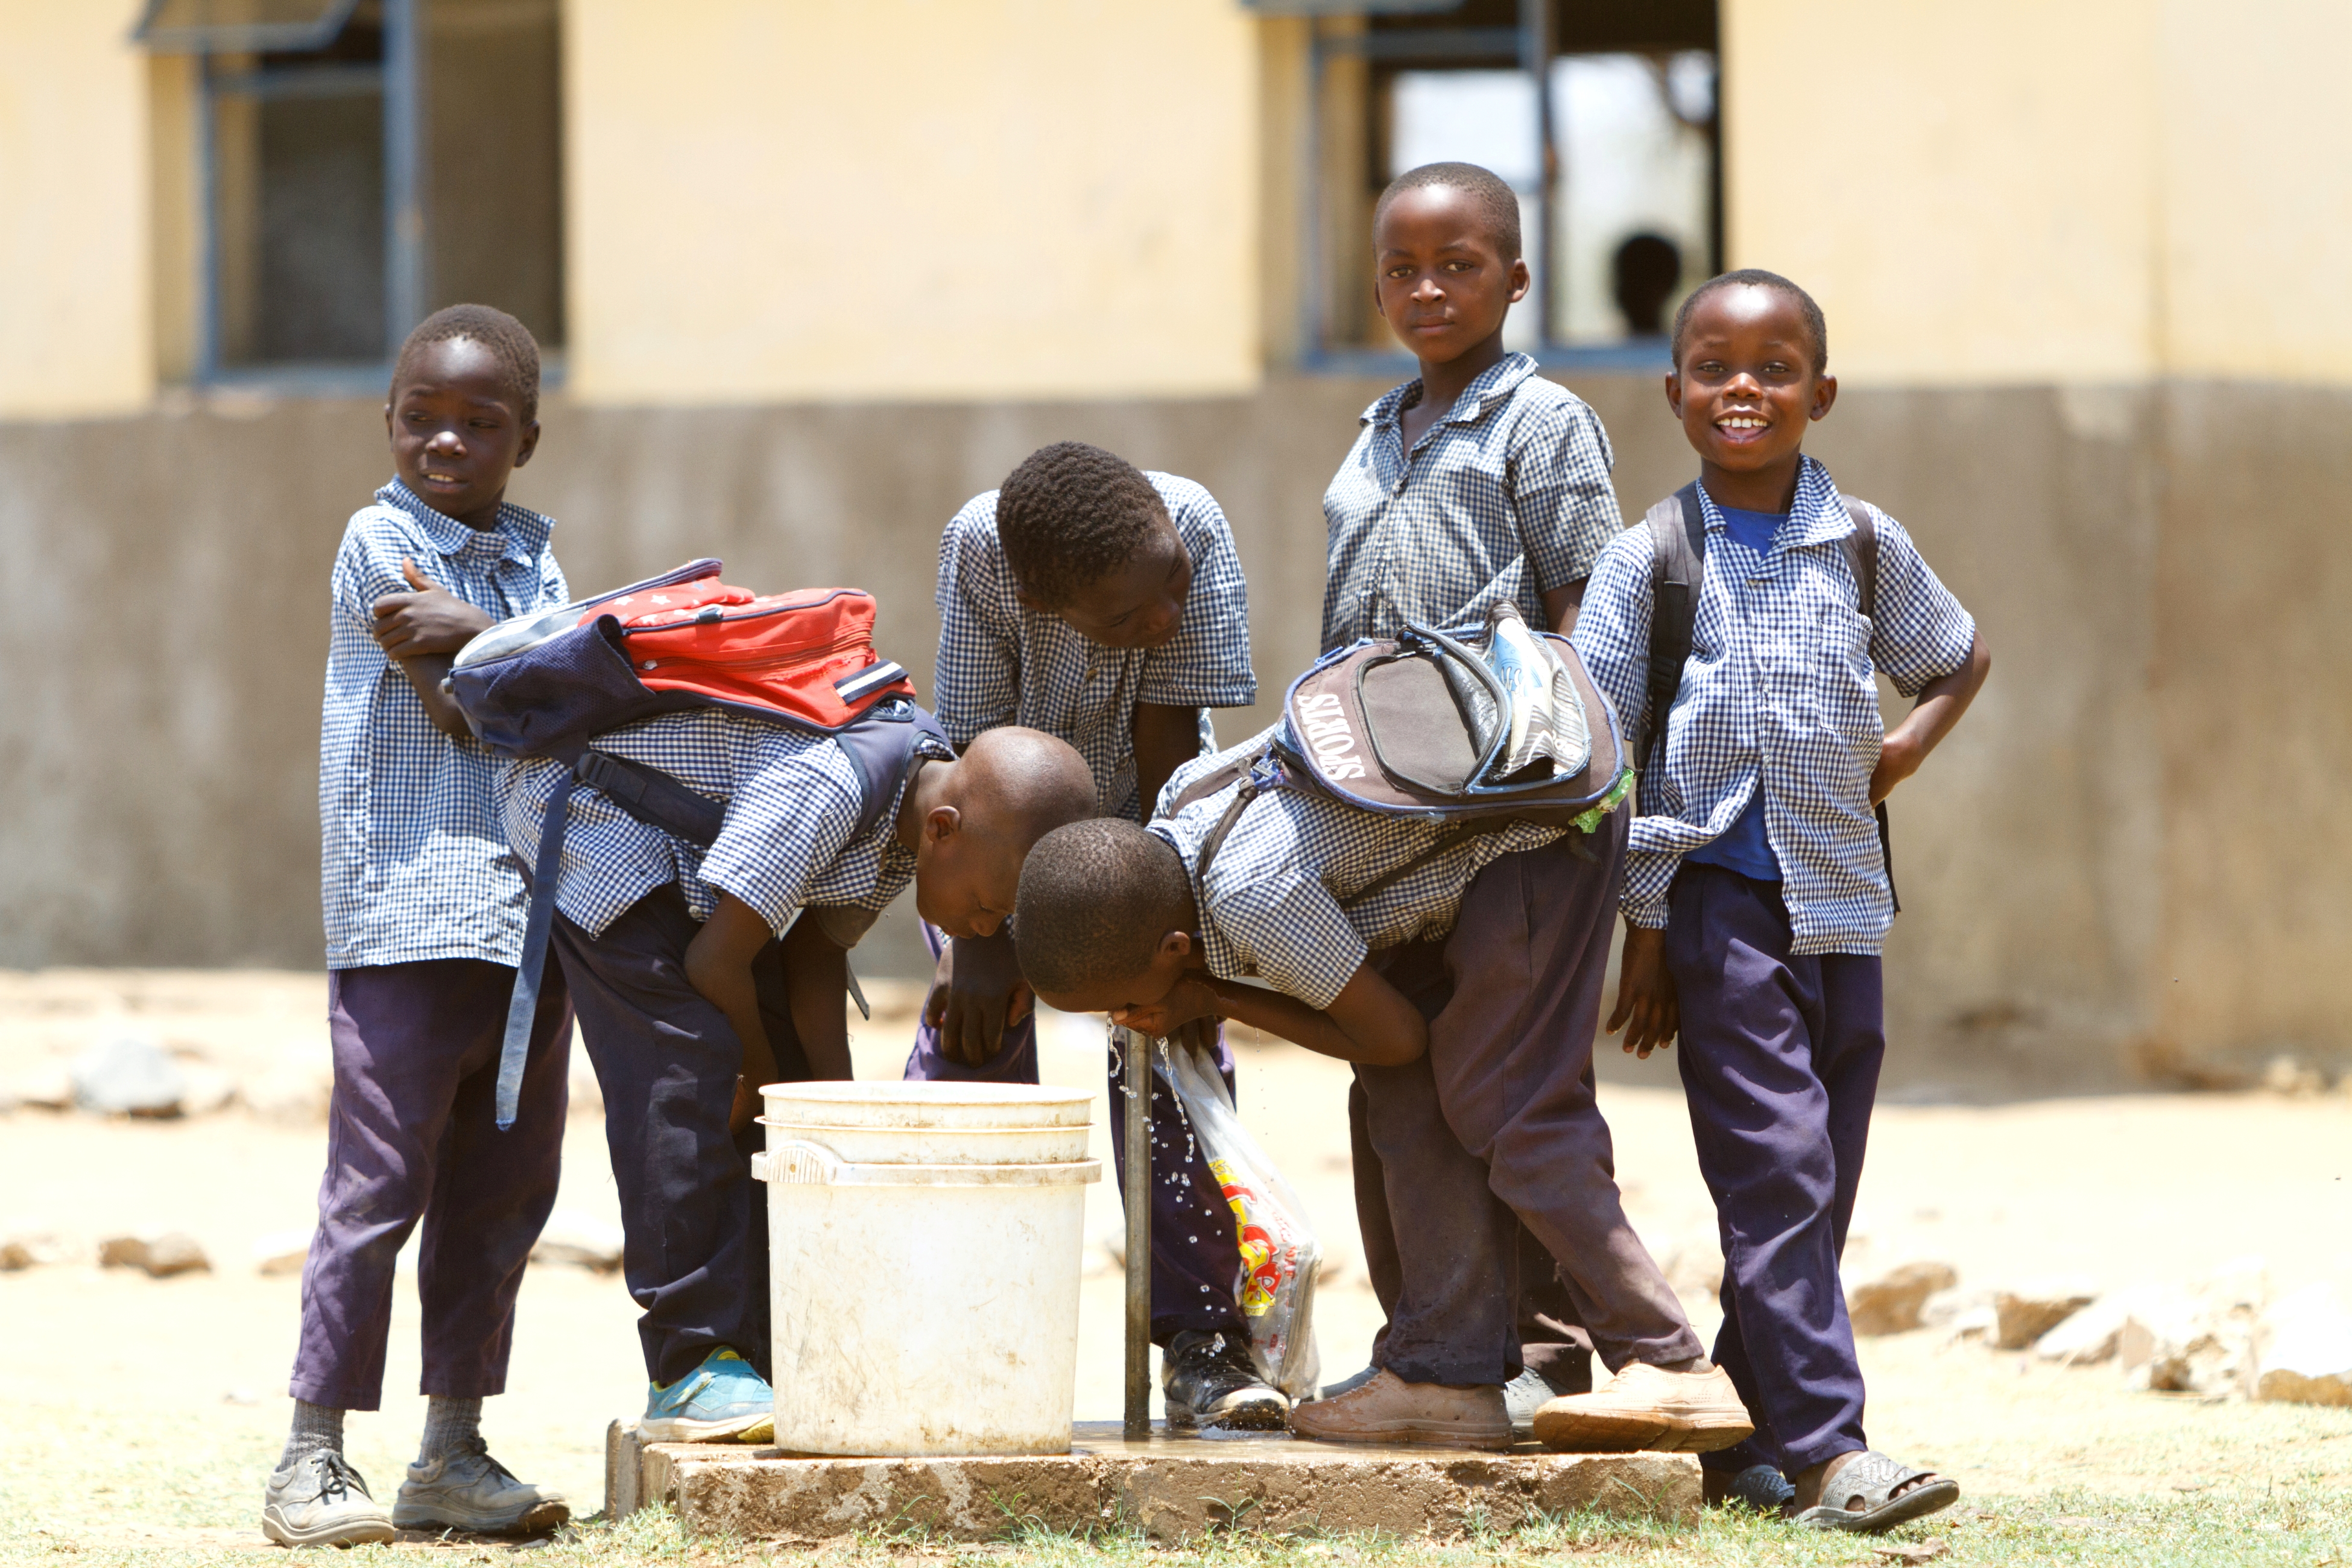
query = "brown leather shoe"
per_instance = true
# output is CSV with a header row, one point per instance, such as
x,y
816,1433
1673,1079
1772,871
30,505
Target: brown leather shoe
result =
x,y
1388,1409
1648,1407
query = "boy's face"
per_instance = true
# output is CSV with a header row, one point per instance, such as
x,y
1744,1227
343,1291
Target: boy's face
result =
x,y
1442,285
456,432
1140,603
1170,962
1745,389
965,879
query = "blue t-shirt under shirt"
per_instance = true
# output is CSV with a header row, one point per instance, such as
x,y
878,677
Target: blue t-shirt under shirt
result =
x,y
1744,847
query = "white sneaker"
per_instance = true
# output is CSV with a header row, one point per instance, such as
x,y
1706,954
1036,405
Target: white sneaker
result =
x,y
470,1490
320,1500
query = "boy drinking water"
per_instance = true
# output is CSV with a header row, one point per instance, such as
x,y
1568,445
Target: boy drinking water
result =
x,y
1476,481
1462,978
1104,605
698,972
424,909
1757,892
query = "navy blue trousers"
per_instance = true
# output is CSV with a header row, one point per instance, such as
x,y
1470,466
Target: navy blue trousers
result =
x,y
413,1137
1195,1249
695,1228
1779,1058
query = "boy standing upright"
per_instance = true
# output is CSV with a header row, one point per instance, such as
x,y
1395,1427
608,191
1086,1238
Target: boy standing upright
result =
x,y
424,909
1756,891
1105,606
1476,481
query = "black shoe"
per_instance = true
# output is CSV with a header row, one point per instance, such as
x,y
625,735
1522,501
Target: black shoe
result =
x,y
1210,1381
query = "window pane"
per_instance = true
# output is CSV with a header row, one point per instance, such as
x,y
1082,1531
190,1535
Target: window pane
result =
x,y
318,258
239,26
1636,181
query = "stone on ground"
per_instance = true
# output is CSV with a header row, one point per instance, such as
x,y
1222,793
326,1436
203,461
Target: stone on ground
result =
x,y
15,1254
1895,1301
2090,1335
579,1240
2196,1338
281,1252
2303,1349
161,1256
128,1075
2028,1312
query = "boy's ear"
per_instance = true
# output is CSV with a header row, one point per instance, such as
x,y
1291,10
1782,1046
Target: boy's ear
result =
x,y
1176,945
1521,280
522,453
1675,393
943,823
1825,395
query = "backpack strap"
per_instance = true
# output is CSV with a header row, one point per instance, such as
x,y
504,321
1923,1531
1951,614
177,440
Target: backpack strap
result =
x,y
1677,527
1860,549
523,1007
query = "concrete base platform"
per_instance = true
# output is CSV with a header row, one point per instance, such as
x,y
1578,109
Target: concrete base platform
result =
x,y
1175,1489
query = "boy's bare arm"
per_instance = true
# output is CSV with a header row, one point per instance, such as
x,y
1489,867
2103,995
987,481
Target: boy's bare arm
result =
x,y
817,979
1561,604
1941,703
1369,1021
718,966
420,631
1165,739
1645,993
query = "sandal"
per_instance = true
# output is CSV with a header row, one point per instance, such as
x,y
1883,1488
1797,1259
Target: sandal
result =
x,y
1871,1482
1760,1486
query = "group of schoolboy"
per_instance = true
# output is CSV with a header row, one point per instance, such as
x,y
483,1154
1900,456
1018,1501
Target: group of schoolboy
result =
x,y
1091,615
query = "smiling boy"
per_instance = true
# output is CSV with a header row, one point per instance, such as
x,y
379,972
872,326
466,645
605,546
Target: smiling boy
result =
x,y
1476,481
423,906
1757,892
1103,605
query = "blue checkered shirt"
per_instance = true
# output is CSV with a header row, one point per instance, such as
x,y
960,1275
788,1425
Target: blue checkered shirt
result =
x,y
1778,690
787,841
1505,497
1002,663
414,863
1275,904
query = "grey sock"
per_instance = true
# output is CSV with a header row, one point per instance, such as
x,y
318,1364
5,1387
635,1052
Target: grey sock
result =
x,y
451,1426
317,1429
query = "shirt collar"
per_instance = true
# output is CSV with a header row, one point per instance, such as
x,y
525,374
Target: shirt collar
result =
x,y
1817,516
521,534
1493,384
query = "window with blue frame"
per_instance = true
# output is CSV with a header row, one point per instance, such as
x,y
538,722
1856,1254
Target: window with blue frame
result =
x,y
1602,114
358,164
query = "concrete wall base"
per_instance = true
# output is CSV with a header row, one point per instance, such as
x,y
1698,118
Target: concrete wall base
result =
x,y
1173,1489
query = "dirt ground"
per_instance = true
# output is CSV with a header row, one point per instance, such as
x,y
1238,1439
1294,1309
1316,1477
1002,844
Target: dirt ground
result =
x,y
144,1413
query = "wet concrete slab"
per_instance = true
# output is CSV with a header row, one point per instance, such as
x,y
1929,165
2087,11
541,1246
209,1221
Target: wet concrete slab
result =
x,y
1173,1488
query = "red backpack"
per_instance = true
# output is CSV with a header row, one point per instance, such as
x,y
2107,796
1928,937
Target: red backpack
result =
x,y
546,685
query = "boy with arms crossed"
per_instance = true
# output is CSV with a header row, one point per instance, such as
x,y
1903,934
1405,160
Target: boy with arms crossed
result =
x,y
424,915
1465,986
1478,481
1104,605
695,982
1757,893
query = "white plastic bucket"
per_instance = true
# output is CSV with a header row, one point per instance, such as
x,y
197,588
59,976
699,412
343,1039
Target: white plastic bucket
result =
x,y
924,1292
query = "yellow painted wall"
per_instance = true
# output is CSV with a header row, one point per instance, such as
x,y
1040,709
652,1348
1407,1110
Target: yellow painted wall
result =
x,y
911,198
1970,191
74,334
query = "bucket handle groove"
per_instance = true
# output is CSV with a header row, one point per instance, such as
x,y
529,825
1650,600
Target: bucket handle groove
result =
x,y
795,1163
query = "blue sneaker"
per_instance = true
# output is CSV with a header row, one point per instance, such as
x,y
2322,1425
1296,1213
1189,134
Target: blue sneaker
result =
x,y
721,1401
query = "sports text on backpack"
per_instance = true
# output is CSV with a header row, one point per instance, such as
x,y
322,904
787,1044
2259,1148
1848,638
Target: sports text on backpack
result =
x,y
1678,529
1477,733
546,686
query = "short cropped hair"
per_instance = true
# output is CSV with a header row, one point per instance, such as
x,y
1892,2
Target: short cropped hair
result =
x,y
1816,327
1069,515
509,341
1096,897
1495,201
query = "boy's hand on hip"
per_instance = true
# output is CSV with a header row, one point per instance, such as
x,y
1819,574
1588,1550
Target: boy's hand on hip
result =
x,y
1899,757
430,620
977,993
1645,993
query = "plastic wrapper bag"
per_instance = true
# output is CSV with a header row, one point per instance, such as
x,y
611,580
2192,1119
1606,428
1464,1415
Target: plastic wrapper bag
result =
x,y
1279,1251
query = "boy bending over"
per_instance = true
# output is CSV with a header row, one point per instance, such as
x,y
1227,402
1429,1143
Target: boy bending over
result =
x,y
1756,891
690,973
1465,986
1105,606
